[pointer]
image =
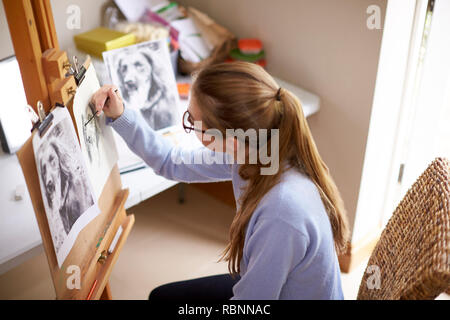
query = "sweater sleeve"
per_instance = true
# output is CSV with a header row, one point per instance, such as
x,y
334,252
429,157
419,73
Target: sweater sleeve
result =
x,y
273,250
166,159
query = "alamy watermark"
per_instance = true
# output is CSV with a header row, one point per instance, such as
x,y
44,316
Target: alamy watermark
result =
x,y
73,279
74,17
252,148
374,280
374,19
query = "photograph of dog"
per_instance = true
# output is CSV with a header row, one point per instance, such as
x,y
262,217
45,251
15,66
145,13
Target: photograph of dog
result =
x,y
146,80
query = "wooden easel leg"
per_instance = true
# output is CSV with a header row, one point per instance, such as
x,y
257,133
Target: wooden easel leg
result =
x,y
106,295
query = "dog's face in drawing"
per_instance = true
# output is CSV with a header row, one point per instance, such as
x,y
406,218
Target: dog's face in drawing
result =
x,y
135,72
51,176
91,132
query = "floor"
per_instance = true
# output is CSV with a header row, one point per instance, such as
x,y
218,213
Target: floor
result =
x,y
169,242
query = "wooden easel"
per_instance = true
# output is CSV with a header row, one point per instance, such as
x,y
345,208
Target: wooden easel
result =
x,y
43,68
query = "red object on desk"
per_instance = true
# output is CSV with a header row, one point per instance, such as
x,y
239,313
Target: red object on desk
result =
x,y
250,46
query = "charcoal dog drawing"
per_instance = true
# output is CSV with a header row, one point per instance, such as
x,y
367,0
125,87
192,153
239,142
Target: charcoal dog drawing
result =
x,y
66,195
146,81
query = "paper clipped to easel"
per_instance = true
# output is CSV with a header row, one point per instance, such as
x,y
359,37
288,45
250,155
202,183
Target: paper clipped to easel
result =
x,y
96,137
67,193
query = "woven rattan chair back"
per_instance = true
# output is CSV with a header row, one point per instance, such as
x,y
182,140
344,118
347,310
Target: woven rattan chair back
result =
x,y
412,257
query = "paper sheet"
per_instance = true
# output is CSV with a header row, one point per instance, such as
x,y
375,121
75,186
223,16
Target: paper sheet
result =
x,y
67,193
96,138
134,9
193,46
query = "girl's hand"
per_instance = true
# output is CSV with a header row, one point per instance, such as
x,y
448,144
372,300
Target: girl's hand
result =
x,y
107,99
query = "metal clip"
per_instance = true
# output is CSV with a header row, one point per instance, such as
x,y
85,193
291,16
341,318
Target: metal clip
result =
x,y
75,63
46,122
67,65
41,111
43,127
103,257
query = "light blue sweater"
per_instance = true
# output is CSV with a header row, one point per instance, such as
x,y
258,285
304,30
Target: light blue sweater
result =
x,y
289,251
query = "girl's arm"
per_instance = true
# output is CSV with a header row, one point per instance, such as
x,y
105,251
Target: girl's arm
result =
x,y
167,160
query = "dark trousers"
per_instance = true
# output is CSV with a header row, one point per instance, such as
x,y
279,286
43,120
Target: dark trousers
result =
x,y
212,289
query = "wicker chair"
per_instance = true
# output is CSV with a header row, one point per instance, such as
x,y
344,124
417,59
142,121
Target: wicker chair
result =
x,y
412,257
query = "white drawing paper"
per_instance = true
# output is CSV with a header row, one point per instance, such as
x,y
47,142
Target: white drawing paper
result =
x,y
66,190
96,137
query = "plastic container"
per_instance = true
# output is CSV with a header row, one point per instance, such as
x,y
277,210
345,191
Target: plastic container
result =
x,y
250,46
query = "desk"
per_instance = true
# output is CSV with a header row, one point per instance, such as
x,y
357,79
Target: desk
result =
x,y
19,233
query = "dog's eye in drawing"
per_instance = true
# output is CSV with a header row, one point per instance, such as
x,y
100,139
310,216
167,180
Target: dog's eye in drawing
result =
x,y
89,139
123,69
52,161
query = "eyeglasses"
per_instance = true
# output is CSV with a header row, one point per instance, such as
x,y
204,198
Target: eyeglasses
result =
x,y
188,123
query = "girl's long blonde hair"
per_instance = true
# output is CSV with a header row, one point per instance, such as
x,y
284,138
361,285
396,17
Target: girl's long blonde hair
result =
x,y
241,95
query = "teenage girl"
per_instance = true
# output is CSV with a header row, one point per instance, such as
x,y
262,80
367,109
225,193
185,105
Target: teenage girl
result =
x,y
289,226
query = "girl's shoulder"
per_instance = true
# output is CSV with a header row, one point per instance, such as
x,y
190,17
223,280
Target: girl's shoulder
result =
x,y
295,192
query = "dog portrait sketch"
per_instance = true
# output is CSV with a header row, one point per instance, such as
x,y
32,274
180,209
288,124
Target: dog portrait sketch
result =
x,y
64,182
97,143
145,78
91,131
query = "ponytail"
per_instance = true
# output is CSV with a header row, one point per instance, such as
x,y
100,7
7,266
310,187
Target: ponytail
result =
x,y
306,157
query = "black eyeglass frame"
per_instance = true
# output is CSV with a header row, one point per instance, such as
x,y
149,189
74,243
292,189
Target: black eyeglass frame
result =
x,y
187,128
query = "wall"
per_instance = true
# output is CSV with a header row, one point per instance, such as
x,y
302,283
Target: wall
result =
x,y
325,47
90,18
